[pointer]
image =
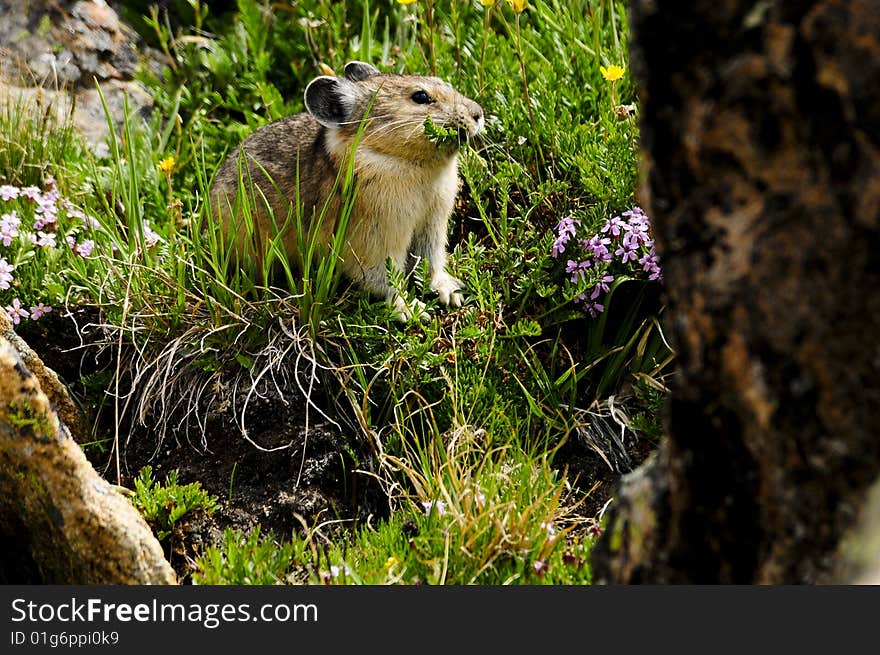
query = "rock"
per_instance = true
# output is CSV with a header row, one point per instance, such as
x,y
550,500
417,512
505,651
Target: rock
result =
x,y
63,50
61,43
60,522
858,557
70,415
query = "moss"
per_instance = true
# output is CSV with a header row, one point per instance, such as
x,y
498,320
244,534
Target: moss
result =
x,y
45,26
21,414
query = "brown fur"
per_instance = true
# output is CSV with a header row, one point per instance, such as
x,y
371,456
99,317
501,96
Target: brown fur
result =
x,y
406,184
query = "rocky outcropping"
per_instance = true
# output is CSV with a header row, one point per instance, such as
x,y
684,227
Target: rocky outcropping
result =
x,y
60,522
62,51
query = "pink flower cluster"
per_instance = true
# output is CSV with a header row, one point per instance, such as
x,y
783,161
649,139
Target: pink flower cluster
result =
x,y
623,246
29,220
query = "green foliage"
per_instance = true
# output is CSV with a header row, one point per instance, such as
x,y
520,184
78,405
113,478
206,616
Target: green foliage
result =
x,y
163,505
440,135
35,135
251,560
652,398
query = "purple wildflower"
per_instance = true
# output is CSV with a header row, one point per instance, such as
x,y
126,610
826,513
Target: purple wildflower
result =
x,y
651,265
626,252
632,251
601,286
594,309
39,310
45,239
637,219
31,193
44,220
16,312
5,273
599,246
567,226
83,249
9,192
615,226
47,211
565,230
9,224
578,270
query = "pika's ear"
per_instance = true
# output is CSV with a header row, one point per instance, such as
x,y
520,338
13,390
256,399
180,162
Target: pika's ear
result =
x,y
330,100
358,70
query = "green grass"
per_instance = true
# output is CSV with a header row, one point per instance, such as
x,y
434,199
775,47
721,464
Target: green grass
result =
x,y
466,411
475,516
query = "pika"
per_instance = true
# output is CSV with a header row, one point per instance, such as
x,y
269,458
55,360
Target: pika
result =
x,y
406,182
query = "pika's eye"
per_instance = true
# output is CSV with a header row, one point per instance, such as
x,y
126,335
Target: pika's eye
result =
x,y
421,98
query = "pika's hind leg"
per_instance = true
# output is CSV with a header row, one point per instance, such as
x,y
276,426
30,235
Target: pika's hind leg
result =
x,y
431,244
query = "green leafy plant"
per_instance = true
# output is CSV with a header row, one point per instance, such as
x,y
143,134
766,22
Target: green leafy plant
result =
x,y
164,505
252,560
439,135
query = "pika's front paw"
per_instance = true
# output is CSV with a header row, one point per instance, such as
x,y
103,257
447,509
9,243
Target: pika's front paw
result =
x,y
446,287
405,312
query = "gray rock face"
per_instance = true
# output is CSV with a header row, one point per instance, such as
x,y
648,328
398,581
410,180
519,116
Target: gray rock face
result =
x,y
63,43
64,48
60,522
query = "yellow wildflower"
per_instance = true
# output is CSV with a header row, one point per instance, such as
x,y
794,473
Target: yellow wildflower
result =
x,y
405,2
166,165
518,5
487,3
613,73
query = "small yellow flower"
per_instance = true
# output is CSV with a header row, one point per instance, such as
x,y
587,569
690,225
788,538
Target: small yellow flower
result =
x,y
166,165
518,5
613,73
405,2
487,3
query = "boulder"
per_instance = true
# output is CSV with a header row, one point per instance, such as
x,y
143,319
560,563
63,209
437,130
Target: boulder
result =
x,y
61,51
60,522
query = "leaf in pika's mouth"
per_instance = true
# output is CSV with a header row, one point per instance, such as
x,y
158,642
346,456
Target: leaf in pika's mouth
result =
x,y
440,135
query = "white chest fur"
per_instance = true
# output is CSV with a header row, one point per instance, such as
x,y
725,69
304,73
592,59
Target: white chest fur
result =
x,y
398,201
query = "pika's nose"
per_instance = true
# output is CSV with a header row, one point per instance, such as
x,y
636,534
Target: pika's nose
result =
x,y
477,115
